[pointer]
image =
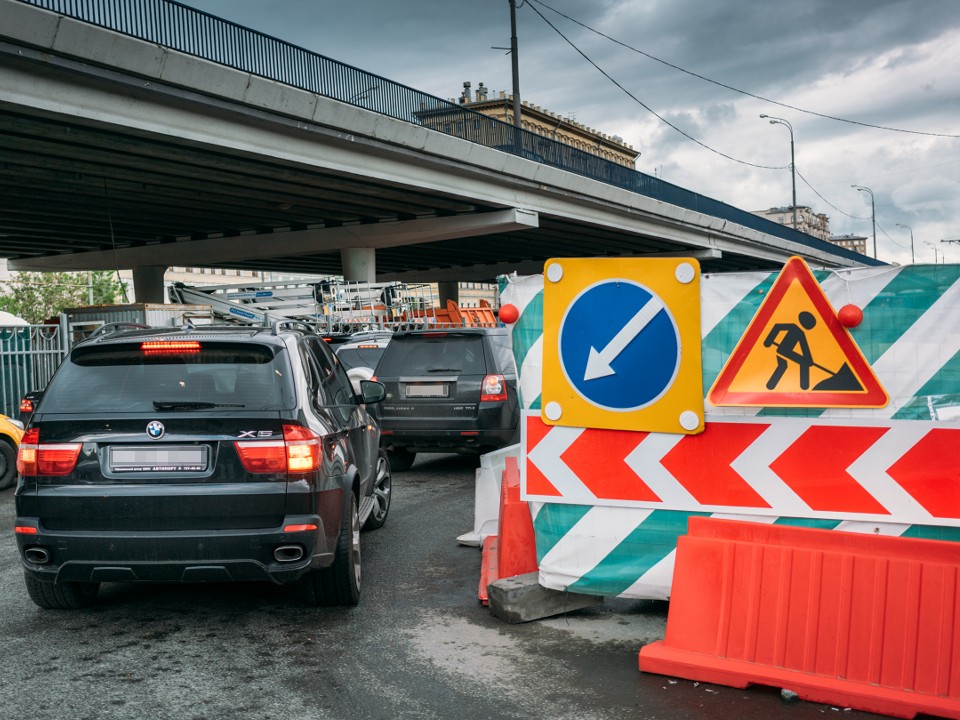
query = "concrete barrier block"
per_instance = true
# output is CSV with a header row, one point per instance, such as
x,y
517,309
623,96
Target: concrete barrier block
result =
x,y
104,47
522,598
399,132
28,24
204,76
281,98
345,117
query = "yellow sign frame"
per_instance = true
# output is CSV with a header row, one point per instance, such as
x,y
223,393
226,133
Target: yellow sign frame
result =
x,y
604,322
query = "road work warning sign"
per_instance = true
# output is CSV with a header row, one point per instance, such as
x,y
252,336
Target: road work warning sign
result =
x,y
795,353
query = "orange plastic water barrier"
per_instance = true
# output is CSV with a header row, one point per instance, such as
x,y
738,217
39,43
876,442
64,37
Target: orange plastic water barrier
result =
x,y
862,621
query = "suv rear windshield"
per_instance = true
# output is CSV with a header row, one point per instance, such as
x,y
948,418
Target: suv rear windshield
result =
x,y
130,378
438,353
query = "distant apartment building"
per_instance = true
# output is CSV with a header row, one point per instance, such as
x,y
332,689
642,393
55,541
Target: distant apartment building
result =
x,y
857,243
535,119
809,222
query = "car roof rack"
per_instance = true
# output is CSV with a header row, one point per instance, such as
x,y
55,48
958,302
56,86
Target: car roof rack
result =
x,y
334,305
288,324
114,327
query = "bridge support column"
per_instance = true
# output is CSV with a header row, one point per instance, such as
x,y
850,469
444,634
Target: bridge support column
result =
x,y
359,264
448,290
148,283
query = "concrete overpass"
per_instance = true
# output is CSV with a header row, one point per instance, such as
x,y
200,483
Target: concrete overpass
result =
x,y
118,150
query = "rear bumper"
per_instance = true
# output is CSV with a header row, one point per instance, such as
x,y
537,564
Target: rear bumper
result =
x,y
495,425
175,556
446,440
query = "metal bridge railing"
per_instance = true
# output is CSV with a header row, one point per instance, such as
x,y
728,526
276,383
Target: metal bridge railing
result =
x,y
179,27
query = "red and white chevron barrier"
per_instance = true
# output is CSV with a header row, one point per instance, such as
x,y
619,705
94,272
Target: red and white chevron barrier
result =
x,y
886,471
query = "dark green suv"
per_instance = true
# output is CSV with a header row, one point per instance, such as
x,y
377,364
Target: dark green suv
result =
x,y
447,391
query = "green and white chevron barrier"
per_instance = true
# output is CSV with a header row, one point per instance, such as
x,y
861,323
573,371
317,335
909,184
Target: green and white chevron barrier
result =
x,y
910,335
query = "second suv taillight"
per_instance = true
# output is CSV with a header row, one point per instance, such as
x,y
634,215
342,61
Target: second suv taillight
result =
x,y
494,388
36,458
298,452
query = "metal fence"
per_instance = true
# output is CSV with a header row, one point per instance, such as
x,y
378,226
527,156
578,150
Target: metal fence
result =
x,y
176,26
29,355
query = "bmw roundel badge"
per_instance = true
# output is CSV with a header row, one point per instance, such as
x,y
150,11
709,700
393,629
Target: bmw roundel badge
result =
x,y
155,430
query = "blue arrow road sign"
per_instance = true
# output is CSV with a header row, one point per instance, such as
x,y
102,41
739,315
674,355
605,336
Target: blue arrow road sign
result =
x,y
619,345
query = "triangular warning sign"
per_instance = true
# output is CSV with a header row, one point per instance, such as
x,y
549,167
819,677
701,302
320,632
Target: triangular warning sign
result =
x,y
795,353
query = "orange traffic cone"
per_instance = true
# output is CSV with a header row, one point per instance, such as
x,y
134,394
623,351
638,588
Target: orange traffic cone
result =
x,y
513,551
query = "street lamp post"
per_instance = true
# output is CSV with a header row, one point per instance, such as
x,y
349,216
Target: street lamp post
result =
x,y
873,215
936,251
913,258
793,165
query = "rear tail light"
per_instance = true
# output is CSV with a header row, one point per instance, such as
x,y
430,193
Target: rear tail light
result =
x,y
263,457
298,452
494,388
36,458
26,405
303,448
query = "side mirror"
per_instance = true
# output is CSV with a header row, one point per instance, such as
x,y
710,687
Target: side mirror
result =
x,y
372,391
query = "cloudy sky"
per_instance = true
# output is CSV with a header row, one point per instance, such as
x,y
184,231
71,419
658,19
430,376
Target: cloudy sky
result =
x,y
870,87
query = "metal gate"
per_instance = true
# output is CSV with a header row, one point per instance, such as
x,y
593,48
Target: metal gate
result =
x,y
29,355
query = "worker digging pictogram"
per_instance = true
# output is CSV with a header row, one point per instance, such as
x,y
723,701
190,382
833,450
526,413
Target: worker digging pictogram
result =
x,y
796,353
790,342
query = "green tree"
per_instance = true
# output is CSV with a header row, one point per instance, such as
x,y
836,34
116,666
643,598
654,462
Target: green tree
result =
x,y
37,296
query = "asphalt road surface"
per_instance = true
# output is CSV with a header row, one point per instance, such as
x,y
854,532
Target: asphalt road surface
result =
x,y
419,645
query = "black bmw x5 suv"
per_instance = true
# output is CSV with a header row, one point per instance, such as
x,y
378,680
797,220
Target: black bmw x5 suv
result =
x,y
199,454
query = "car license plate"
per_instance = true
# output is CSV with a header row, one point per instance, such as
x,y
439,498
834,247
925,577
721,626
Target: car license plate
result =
x,y
156,459
427,391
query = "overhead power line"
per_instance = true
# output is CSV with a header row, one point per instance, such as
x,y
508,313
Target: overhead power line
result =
x,y
641,103
720,84
817,193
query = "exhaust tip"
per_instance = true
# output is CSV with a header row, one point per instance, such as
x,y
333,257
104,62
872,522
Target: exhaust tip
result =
x,y
288,553
37,555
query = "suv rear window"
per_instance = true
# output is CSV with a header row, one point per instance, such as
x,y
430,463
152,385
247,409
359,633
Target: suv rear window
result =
x,y
128,378
437,353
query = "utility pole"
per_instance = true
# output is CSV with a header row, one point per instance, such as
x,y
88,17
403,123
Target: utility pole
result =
x,y
516,63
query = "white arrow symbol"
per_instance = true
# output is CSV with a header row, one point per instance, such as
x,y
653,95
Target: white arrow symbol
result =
x,y
598,363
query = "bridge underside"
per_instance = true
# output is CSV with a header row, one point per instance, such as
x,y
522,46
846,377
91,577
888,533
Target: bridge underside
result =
x,y
76,196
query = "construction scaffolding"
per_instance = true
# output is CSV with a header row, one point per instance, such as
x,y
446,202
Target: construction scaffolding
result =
x,y
335,306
